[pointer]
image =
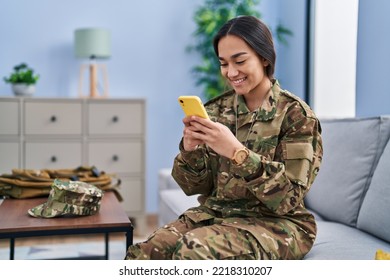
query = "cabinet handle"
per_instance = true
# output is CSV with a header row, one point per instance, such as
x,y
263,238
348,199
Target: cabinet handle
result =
x,y
53,118
53,159
115,158
115,119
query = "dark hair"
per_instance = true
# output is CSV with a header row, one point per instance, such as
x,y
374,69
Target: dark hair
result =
x,y
255,33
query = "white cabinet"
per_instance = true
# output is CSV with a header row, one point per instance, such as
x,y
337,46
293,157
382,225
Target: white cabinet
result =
x,y
9,117
52,118
56,133
9,155
39,154
10,129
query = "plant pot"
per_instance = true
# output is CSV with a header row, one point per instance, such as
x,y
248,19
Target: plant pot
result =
x,y
23,89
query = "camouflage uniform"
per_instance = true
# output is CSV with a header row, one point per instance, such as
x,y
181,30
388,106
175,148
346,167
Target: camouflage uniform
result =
x,y
251,211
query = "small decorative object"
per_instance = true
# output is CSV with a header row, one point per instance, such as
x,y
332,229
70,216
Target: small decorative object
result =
x,y
92,44
382,255
23,80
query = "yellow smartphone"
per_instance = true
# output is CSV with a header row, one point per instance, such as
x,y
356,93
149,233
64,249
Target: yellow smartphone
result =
x,y
192,106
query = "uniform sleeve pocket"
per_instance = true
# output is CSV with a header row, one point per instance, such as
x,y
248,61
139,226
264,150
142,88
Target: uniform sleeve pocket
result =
x,y
298,157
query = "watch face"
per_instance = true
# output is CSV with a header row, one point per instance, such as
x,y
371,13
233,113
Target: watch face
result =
x,y
241,156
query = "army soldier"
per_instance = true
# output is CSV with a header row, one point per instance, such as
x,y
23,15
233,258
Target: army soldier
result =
x,y
252,163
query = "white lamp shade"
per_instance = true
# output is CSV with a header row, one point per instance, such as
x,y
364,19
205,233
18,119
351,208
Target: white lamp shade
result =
x,y
92,43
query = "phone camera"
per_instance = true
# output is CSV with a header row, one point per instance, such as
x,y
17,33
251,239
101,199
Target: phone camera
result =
x,y
181,101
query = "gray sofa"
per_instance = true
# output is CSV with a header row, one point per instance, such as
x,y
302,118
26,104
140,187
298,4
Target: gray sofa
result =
x,y
350,197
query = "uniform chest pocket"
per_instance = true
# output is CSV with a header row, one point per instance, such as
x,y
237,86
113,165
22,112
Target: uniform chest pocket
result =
x,y
264,146
298,158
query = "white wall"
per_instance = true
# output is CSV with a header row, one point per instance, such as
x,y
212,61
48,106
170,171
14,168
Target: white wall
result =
x,y
335,49
291,57
373,72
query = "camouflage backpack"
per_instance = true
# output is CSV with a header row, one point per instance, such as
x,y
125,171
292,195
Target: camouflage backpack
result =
x,y
28,183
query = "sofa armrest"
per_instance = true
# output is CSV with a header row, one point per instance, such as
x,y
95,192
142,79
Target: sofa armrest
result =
x,y
165,180
172,200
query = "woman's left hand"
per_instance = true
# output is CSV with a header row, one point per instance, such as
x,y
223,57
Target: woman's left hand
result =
x,y
216,135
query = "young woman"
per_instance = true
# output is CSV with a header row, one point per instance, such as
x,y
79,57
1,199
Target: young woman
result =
x,y
252,163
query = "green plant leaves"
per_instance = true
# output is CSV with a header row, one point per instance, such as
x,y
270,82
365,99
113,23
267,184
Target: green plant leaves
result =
x,y
22,74
209,18
282,32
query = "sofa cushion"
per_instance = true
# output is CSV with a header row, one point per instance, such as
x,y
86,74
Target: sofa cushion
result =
x,y
374,212
174,202
165,180
336,241
351,151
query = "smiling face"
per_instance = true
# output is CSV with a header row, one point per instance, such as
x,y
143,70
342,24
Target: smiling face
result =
x,y
242,67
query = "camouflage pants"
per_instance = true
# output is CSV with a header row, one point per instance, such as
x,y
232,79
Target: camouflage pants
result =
x,y
185,240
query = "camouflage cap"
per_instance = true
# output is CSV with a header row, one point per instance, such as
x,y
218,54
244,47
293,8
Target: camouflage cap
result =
x,y
69,198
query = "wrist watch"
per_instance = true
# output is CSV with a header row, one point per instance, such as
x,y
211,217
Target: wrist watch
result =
x,y
240,155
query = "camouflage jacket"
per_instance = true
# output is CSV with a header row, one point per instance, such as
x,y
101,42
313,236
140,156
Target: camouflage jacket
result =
x,y
285,156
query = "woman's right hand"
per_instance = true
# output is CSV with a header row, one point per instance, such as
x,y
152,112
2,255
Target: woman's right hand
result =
x,y
190,143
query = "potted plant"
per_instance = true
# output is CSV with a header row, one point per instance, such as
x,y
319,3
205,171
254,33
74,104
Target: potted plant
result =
x,y
23,80
209,17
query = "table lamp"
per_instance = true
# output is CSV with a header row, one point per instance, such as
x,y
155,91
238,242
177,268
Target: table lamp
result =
x,y
93,43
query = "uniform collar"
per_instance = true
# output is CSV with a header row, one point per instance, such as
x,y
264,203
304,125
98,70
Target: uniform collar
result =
x,y
267,110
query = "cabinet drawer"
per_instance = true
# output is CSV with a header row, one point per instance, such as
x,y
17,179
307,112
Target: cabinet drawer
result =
x,y
118,157
53,118
9,118
9,152
115,118
58,155
133,194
